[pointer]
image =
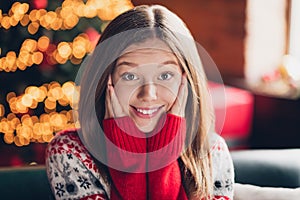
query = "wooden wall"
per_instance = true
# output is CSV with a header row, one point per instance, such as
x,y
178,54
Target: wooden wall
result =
x,y
218,25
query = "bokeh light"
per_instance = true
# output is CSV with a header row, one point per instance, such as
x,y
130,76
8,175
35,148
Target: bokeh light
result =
x,y
18,122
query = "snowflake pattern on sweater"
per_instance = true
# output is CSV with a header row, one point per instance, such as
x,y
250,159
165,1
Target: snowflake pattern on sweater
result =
x,y
73,174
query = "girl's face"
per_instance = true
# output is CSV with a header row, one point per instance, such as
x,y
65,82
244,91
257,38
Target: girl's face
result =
x,y
146,81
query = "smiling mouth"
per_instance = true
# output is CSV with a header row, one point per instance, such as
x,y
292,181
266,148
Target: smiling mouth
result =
x,y
146,112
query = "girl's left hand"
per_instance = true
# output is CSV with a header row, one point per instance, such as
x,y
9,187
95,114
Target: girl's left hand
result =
x,y
179,105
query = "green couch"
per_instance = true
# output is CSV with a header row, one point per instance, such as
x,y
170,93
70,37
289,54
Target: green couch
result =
x,y
24,183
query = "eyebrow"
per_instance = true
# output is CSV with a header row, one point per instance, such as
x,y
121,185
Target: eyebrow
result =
x,y
130,64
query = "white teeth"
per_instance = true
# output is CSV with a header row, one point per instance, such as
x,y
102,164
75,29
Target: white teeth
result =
x,y
147,112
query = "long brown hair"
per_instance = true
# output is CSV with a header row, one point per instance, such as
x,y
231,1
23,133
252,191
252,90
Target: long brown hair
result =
x,y
134,26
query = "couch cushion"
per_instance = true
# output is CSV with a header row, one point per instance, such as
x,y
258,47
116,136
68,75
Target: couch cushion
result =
x,y
273,168
24,183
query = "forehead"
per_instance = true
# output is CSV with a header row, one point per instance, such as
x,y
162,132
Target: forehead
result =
x,y
152,50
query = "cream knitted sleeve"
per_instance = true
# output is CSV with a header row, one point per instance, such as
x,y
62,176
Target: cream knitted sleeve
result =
x,y
222,168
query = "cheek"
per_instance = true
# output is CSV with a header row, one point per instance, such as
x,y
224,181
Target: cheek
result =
x,y
171,88
169,92
124,94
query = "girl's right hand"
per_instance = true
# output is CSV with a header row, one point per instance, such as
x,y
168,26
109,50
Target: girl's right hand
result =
x,y
113,107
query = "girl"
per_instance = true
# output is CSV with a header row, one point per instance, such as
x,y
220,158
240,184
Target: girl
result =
x,y
145,117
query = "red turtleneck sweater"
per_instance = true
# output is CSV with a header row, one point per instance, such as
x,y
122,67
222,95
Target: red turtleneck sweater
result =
x,y
155,172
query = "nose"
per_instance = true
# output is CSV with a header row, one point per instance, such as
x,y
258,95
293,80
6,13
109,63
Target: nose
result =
x,y
148,92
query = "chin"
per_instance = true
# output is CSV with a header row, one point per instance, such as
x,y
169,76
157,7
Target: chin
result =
x,y
146,129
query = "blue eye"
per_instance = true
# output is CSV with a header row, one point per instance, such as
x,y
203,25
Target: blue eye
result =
x,y
165,76
129,77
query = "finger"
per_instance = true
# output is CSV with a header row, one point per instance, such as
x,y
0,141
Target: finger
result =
x,y
108,106
116,106
183,92
178,107
114,101
182,95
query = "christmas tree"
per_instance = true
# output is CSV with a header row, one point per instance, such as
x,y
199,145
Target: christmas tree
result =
x,y
42,44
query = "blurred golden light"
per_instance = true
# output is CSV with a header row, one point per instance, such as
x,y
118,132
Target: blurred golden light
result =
x,y
47,137
57,24
50,17
13,104
20,107
69,116
51,105
26,100
36,129
56,93
68,88
10,61
33,91
75,61
13,21
74,99
21,65
33,27
11,57
77,124
34,104
42,93
37,58
5,22
4,126
9,138
70,21
58,121
43,43
44,118
24,132
34,119
24,55
79,51
10,95
24,117
63,101
25,20
40,129
20,141
39,13
46,128
58,58
53,85
65,11
29,45
90,12
2,110
11,116
32,15
15,7
23,8
64,49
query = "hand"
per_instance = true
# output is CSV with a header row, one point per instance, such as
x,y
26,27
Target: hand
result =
x,y
113,107
179,105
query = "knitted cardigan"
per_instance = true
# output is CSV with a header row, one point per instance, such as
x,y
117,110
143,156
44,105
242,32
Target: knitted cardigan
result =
x,y
73,172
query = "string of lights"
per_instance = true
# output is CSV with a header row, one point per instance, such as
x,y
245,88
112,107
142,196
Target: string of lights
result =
x,y
39,129
19,122
33,52
64,17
